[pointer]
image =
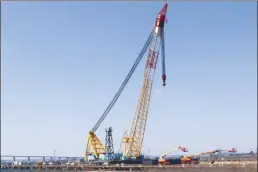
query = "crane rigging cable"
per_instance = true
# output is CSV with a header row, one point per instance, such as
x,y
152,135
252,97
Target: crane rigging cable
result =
x,y
163,57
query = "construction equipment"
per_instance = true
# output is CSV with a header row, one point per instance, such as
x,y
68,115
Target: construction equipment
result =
x,y
154,42
163,161
136,136
122,146
221,153
109,144
191,159
233,150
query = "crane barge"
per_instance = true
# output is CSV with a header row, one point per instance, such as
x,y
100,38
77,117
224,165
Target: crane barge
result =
x,y
154,43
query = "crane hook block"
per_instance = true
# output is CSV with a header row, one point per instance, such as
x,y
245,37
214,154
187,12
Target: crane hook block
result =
x,y
164,79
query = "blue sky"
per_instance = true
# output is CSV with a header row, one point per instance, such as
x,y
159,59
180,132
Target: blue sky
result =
x,y
62,62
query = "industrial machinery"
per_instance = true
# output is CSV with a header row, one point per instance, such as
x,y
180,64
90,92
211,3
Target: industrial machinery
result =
x,y
190,160
221,154
122,146
109,144
233,150
163,161
193,159
154,43
135,139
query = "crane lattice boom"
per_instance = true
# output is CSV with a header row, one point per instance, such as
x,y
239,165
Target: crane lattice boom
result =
x,y
139,123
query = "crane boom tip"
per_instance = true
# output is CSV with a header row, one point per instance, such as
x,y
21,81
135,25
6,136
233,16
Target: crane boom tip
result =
x,y
164,9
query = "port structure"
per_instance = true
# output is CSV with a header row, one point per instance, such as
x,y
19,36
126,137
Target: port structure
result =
x,y
109,144
154,44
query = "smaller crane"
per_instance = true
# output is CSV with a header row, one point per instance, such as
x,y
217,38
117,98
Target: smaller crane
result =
x,y
123,144
190,160
233,150
230,152
163,161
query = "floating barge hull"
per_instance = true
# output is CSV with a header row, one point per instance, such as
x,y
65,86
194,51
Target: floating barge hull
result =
x,y
146,161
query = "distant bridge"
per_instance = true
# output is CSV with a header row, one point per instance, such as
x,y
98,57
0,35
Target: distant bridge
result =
x,y
40,156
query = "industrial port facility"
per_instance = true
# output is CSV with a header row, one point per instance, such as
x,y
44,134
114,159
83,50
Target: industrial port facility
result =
x,y
129,155
133,142
130,151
